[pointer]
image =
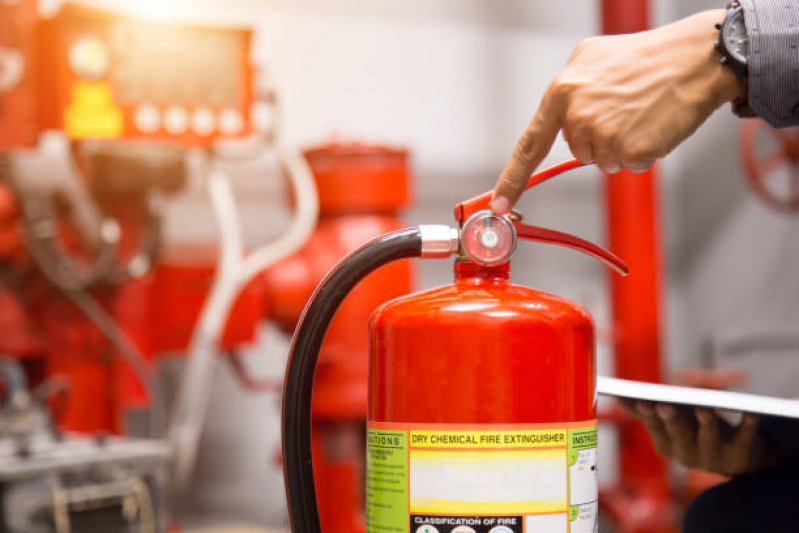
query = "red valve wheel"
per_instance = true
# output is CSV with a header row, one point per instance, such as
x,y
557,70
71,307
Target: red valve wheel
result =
x,y
774,178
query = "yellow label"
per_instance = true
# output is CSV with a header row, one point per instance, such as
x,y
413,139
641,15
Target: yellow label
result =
x,y
482,478
92,112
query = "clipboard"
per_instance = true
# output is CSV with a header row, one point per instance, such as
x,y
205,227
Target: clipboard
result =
x,y
695,397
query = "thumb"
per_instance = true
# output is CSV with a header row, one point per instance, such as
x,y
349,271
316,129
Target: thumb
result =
x,y
533,146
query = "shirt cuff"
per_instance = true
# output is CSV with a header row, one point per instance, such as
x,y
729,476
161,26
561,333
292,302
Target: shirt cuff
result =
x,y
773,29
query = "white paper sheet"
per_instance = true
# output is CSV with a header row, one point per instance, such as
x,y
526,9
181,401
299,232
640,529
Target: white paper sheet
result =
x,y
714,399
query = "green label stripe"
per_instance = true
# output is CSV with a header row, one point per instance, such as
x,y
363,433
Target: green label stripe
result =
x,y
574,510
580,439
386,481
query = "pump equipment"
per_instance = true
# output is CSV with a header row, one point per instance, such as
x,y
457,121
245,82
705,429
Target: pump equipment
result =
x,y
482,394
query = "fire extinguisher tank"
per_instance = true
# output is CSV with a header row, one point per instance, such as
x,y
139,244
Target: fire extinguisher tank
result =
x,y
482,394
481,351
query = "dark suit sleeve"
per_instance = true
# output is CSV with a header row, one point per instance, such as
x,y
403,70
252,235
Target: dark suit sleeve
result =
x,y
784,433
773,28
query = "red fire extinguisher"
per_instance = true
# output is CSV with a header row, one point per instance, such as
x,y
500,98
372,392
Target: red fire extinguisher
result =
x,y
482,394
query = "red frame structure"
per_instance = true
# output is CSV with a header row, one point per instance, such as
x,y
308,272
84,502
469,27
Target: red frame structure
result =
x,y
642,501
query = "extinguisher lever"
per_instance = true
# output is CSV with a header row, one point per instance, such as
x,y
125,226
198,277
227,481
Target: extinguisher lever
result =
x,y
469,207
488,238
550,236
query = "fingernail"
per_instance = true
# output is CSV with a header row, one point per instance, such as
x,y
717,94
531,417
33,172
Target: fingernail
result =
x,y
639,169
500,205
666,411
613,169
703,415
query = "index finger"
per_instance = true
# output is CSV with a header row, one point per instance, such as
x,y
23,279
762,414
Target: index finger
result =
x,y
531,148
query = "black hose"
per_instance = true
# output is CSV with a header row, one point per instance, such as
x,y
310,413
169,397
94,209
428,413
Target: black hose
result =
x,y
301,368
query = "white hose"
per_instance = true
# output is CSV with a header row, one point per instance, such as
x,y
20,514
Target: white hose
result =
x,y
234,272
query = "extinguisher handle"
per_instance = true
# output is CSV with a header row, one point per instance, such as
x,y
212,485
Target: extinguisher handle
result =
x,y
471,206
550,236
466,210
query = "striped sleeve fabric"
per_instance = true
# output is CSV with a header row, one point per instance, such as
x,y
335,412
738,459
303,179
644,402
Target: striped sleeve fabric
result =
x,y
773,28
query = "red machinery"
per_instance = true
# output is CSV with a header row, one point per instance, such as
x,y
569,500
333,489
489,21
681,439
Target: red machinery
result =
x,y
104,76
17,90
381,177
482,394
130,95
774,178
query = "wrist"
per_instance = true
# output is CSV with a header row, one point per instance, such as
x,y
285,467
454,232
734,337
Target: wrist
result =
x,y
726,85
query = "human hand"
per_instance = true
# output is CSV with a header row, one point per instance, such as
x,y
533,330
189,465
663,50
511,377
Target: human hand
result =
x,y
623,101
698,438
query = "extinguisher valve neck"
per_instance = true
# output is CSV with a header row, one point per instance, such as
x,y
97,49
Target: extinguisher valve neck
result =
x,y
438,241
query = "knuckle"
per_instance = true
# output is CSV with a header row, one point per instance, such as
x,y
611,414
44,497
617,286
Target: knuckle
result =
x,y
603,139
577,117
562,86
583,45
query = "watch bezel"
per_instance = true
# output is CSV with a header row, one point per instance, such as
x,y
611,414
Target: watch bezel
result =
x,y
735,15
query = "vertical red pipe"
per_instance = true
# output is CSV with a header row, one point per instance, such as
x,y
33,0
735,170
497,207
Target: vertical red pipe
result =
x,y
624,16
634,232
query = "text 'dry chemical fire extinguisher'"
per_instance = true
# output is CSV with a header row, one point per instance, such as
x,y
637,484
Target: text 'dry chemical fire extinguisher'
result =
x,y
482,394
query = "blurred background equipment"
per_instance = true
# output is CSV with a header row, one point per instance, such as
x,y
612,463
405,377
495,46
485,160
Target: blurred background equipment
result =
x,y
140,142
106,76
91,75
100,115
774,177
234,272
55,481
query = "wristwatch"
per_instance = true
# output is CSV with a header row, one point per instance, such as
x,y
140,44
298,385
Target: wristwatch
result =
x,y
733,45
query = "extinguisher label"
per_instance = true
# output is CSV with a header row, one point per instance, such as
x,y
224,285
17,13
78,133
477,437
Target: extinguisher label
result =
x,y
481,479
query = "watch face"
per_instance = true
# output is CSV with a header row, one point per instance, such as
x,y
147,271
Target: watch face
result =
x,y
736,41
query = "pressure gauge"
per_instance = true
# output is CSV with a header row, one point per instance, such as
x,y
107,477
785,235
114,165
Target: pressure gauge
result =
x,y
488,239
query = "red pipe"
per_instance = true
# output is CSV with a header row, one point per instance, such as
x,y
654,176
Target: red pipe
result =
x,y
632,210
624,16
634,234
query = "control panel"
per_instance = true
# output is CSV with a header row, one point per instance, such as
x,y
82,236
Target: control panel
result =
x,y
118,77
107,76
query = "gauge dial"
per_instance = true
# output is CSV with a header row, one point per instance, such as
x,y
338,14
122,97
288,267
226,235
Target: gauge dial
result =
x,y
488,239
